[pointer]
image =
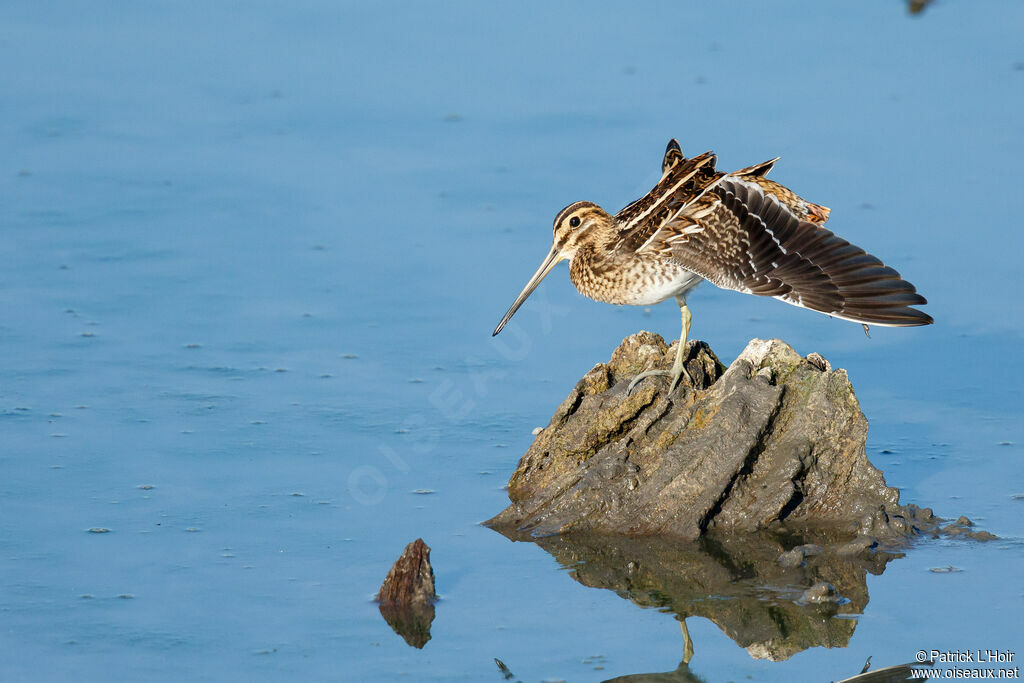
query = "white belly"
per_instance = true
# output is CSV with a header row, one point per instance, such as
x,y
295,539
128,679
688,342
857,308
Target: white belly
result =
x,y
658,290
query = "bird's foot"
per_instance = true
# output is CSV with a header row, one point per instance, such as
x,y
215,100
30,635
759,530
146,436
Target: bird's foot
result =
x,y
674,375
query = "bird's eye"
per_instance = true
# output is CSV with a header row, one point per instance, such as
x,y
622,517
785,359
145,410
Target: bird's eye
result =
x,y
574,222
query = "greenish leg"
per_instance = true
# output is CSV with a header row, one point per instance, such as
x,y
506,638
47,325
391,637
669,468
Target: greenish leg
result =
x,y
687,643
677,370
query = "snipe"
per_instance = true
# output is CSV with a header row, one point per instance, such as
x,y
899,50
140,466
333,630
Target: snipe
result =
x,y
737,230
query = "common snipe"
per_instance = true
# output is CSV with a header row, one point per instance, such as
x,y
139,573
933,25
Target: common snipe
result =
x,y
737,230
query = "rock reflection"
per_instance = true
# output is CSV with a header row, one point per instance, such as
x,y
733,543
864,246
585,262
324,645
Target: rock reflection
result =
x,y
917,6
681,675
735,581
412,622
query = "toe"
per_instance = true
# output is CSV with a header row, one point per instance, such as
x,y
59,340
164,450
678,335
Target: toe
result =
x,y
644,375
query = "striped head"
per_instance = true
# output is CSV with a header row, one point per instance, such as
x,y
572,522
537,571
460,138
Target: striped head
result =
x,y
575,225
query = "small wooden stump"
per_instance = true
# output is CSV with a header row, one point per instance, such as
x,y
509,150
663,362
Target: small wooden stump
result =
x,y
407,595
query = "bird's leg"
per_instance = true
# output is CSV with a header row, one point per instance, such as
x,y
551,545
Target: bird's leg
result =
x,y
677,370
687,643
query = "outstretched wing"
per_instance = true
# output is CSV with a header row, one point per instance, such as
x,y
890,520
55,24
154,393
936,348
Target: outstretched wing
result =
x,y
682,182
738,236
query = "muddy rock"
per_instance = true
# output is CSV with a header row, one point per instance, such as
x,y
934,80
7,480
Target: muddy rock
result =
x,y
964,528
791,558
407,595
821,592
775,439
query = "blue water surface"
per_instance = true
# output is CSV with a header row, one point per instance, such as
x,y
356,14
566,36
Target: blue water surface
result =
x,y
252,254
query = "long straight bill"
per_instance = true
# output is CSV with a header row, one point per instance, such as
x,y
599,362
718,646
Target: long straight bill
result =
x,y
550,261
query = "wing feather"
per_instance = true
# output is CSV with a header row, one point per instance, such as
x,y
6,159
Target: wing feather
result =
x,y
681,183
742,238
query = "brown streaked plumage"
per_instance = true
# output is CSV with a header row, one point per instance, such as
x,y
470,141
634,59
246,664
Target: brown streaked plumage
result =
x,y
737,230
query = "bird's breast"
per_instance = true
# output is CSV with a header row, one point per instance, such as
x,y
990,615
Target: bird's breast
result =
x,y
636,281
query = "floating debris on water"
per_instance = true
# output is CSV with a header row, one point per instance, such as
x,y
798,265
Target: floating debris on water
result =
x,y
504,670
